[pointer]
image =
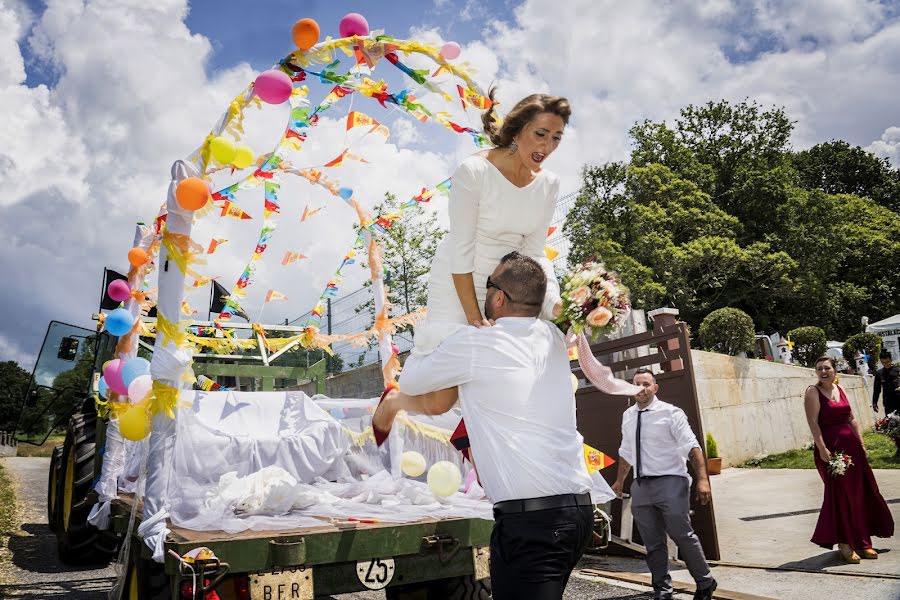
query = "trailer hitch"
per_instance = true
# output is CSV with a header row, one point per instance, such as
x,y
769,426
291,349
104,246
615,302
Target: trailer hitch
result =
x,y
199,569
442,542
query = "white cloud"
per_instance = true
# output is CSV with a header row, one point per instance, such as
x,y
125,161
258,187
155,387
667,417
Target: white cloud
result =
x,y
888,146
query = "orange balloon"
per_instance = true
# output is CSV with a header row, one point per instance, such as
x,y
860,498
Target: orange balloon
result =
x,y
305,33
192,193
137,256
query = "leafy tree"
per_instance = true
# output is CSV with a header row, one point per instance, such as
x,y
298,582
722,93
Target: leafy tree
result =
x,y
727,330
867,343
809,344
836,167
13,385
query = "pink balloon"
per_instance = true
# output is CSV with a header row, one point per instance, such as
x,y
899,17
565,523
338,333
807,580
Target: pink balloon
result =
x,y
273,86
450,50
119,290
139,388
353,24
112,373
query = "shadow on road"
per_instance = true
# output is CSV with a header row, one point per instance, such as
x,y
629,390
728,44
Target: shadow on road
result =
x,y
85,589
36,552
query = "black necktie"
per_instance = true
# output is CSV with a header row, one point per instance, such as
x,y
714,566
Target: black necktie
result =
x,y
637,445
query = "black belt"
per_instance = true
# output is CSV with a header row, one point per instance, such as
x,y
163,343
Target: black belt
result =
x,y
508,507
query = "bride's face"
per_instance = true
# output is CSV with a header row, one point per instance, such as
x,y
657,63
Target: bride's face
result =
x,y
539,138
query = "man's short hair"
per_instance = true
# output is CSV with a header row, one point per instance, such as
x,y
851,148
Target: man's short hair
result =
x,y
644,371
886,354
523,280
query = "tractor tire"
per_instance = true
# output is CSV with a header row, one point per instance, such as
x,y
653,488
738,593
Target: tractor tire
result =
x,y
145,580
53,486
77,541
453,588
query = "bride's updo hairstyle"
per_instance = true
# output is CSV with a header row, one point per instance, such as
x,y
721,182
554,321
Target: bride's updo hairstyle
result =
x,y
502,135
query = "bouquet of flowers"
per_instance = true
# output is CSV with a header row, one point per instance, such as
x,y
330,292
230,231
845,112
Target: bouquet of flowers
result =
x,y
593,300
839,464
889,426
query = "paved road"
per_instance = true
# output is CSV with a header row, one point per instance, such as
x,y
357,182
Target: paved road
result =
x,y
35,573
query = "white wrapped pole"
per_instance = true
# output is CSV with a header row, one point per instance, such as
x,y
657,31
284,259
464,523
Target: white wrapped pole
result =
x,y
169,366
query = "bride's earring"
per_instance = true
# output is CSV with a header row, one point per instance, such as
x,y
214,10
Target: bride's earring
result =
x,y
513,146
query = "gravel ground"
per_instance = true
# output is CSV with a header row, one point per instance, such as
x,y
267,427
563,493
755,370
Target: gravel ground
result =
x,y
33,571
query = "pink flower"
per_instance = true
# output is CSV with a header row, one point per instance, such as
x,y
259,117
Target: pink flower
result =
x,y
599,317
580,295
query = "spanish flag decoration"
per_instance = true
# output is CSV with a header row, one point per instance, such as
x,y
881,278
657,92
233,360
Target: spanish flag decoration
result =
x,y
596,460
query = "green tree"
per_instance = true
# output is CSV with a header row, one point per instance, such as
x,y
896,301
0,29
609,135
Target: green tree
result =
x,y
809,344
867,343
728,331
13,385
836,167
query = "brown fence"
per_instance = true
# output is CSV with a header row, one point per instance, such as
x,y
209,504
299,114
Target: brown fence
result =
x,y
667,350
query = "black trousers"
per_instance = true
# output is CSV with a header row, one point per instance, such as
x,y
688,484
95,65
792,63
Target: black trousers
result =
x,y
533,553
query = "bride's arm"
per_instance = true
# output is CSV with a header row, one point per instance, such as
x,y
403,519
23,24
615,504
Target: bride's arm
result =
x,y
465,289
463,209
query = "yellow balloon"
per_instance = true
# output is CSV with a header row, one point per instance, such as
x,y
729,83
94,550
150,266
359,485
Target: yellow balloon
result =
x,y
134,423
222,149
243,157
444,478
412,463
574,382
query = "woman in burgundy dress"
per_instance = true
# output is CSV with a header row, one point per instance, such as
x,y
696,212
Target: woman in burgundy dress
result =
x,y
853,509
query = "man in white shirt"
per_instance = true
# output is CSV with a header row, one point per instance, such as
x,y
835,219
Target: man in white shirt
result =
x,y
657,439
514,388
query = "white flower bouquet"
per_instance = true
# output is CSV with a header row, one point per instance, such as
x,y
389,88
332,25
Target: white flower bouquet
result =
x,y
594,301
839,464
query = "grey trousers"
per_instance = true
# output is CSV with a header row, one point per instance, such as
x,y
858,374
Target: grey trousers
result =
x,y
661,506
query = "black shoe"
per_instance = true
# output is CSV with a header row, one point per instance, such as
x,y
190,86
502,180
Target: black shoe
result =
x,y
706,593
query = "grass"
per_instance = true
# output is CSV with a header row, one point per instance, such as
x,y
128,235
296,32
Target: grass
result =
x,y
881,456
8,523
44,450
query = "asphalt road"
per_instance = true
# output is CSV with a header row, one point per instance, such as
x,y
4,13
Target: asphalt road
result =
x,y
33,571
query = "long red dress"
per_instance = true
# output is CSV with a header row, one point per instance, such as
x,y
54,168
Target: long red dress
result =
x,y
853,509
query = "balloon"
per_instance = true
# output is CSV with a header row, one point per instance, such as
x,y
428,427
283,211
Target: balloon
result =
x,y
133,369
134,423
192,193
471,477
305,33
243,157
119,290
345,193
273,86
574,382
139,388
353,24
102,388
119,322
444,478
222,149
450,50
112,373
137,257
412,463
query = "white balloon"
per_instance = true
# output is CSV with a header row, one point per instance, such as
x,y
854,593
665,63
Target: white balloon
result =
x,y
412,463
139,388
574,382
444,478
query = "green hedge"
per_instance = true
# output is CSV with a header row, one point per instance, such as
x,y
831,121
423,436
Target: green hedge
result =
x,y
727,331
868,343
809,344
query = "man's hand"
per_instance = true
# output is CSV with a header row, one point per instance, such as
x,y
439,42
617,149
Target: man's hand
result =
x,y
875,406
617,487
704,492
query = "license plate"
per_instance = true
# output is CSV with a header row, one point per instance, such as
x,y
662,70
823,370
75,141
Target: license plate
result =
x,y
375,574
284,584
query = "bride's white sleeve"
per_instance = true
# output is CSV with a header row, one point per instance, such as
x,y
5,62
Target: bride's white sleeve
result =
x,y
599,374
534,247
463,210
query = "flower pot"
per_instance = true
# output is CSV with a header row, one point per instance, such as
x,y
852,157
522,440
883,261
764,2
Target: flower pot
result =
x,y
713,466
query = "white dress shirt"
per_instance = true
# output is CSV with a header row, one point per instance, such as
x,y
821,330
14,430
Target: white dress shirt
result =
x,y
516,397
666,439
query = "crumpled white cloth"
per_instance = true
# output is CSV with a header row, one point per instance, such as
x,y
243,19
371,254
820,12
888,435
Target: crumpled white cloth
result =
x,y
99,515
153,531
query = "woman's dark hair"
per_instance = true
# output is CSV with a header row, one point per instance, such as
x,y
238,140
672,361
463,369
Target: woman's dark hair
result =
x,y
502,135
829,359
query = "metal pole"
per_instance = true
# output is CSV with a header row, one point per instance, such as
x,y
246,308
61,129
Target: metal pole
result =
x,y
328,356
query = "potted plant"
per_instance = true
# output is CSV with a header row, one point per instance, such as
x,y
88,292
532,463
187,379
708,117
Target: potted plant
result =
x,y
713,462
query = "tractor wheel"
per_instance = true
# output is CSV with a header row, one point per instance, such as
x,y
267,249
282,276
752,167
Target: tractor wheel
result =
x,y
146,580
53,486
79,542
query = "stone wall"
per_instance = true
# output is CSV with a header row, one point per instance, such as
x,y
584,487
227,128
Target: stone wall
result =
x,y
755,407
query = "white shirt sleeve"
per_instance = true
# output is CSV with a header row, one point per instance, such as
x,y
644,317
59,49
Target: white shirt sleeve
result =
x,y
684,436
463,210
450,365
626,448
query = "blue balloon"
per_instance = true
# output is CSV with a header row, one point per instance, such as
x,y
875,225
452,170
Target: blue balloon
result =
x,y
134,368
119,322
345,193
102,388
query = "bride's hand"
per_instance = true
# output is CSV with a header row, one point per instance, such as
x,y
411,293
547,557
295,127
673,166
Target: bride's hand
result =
x,y
557,308
479,323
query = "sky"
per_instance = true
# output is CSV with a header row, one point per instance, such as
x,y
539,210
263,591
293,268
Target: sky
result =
x,y
99,97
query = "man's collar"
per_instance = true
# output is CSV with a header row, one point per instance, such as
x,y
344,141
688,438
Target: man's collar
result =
x,y
654,404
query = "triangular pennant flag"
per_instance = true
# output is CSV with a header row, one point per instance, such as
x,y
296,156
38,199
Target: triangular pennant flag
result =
x,y
232,210
596,460
550,252
358,119
337,161
272,295
186,309
550,231
290,257
214,243
307,213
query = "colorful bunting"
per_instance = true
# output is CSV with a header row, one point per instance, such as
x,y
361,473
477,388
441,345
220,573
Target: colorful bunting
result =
x,y
214,243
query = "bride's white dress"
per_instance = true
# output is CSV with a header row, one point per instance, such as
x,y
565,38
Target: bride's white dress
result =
x,y
489,217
